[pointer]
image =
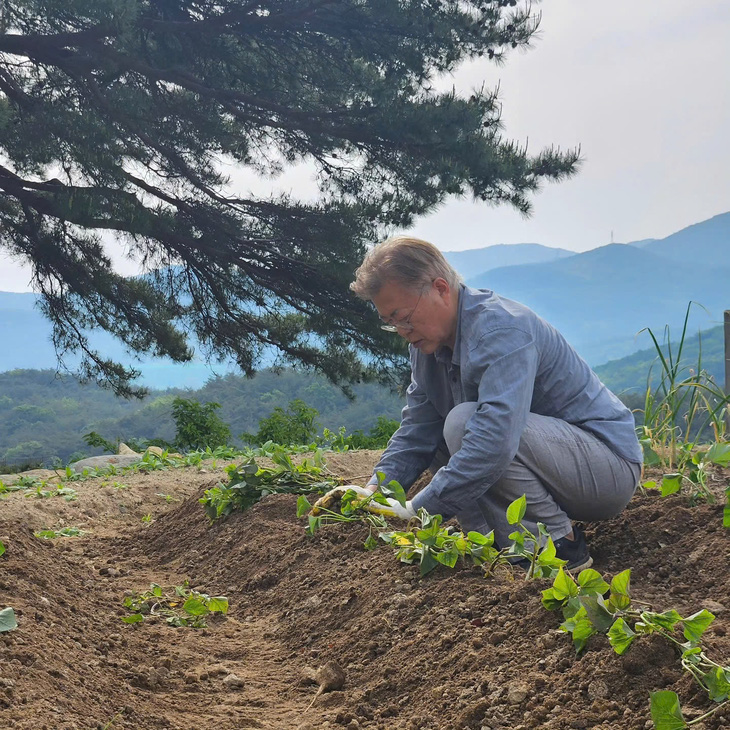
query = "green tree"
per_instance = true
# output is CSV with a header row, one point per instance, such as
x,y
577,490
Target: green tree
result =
x,y
295,425
198,425
119,117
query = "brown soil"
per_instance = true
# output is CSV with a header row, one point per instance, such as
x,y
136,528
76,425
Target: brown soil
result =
x,y
452,651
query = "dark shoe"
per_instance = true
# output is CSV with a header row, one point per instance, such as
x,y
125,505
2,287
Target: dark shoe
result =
x,y
575,552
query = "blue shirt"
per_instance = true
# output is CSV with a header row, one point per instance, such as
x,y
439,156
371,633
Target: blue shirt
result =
x,y
510,362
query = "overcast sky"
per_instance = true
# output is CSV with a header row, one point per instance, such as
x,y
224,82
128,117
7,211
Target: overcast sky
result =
x,y
643,86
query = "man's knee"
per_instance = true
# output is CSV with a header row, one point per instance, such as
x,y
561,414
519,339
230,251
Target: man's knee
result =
x,y
455,425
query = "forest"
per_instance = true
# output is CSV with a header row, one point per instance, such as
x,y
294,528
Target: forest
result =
x,y
44,415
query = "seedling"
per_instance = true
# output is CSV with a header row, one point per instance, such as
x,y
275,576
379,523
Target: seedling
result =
x,y
587,611
695,473
248,482
67,493
177,605
167,497
433,545
63,532
352,509
537,550
147,519
2,548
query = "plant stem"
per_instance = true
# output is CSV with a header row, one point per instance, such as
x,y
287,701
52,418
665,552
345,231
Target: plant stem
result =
x,y
707,714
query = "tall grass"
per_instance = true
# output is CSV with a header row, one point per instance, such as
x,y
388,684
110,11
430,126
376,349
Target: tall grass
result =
x,y
686,407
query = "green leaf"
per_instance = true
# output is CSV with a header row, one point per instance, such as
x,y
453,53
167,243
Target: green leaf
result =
x,y
2,548
135,618
697,624
371,543
448,557
428,562
620,598
303,506
650,485
218,604
478,539
550,600
156,590
620,636
591,582
516,510
666,620
719,454
314,524
7,620
718,683
581,629
726,510
564,586
395,490
666,711
599,615
195,607
671,483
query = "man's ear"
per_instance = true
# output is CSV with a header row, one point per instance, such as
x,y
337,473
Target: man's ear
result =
x,y
442,287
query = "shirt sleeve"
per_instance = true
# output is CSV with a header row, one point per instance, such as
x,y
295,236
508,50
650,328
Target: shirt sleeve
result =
x,y
508,360
413,446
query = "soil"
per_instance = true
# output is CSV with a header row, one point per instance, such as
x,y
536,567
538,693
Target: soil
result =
x,y
452,651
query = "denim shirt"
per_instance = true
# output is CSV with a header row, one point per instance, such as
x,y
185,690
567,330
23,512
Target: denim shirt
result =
x,y
510,362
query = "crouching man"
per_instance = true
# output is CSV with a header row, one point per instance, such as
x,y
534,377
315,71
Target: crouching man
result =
x,y
500,402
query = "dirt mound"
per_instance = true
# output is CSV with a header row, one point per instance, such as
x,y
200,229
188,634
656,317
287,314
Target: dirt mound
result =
x,y
452,651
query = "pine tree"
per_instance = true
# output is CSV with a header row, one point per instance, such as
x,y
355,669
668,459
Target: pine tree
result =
x,y
119,117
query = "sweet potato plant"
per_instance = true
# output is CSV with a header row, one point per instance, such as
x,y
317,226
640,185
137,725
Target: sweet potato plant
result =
x,y
587,611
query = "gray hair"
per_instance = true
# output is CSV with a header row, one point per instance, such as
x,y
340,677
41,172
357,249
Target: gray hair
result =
x,y
411,262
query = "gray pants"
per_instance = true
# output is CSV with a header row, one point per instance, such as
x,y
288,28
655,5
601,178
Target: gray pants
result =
x,y
566,474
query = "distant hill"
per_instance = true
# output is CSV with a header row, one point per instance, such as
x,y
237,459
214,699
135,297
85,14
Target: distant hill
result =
x,y
43,418
707,242
628,375
601,298
478,260
26,343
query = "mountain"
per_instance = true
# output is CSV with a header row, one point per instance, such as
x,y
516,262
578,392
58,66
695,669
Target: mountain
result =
x,y
601,298
478,260
707,242
629,375
26,343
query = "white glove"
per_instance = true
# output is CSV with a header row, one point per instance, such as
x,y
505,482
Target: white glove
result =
x,y
393,509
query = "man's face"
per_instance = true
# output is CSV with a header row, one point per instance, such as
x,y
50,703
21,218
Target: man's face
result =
x,y
425,317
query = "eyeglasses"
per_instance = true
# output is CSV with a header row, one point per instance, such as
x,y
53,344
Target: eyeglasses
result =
x,y
403,325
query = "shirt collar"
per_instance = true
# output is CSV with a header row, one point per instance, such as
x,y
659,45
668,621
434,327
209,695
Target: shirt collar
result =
x,y
444,353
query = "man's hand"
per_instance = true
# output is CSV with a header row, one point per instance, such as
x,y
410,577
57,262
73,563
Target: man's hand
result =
x,y
393,509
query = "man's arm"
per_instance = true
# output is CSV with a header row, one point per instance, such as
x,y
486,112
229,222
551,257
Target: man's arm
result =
x,y
509,361
414,444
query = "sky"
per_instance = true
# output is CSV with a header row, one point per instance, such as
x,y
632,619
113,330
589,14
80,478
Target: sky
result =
x,y
642,86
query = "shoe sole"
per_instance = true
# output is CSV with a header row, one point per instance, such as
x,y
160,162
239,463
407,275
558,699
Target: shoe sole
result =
x,y
582,566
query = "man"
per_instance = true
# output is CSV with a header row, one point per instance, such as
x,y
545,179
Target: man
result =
x,y
509,401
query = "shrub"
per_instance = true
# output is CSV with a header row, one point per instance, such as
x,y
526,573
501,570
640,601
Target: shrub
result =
x,y
198,426
295,425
